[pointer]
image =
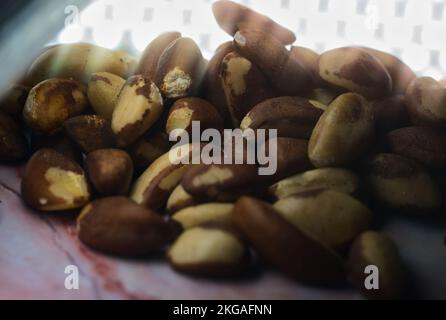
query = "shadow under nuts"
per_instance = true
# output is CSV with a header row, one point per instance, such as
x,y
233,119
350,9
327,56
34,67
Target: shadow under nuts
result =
x,y
13,143
342,133
117,225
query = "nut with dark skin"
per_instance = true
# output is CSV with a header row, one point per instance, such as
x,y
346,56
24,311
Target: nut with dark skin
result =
x,y
13,143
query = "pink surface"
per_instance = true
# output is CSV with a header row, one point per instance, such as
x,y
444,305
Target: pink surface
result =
x,y
35,248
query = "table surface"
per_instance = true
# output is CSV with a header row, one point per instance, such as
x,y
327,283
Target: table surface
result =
x,y
35,249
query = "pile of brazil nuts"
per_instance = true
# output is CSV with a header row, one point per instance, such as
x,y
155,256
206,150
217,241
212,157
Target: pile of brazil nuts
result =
x,y
359,136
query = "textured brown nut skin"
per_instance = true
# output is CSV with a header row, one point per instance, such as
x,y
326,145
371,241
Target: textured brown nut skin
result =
x,y
338,179
59,142
179,199
285,73
13,143
110,171
373,248
232,17
285,246
426,102
103,91
402,184
390,113
307,58
90,132
79,61
13,100
293,117
189,109
209,249
53,101
218,181
180,69
423,144
148,63
138,107
117,225
333,218
353,69
212,87
401,74
342,133
45,188
244,86
148,148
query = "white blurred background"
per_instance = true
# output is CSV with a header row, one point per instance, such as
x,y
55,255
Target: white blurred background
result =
x,y
414,30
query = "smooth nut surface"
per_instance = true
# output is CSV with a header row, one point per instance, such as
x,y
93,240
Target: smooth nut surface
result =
x,y
390,113
13,100
353,69
307,58
52,182
53,101
342,133
110,171
208,250
338,179
117,225
285,246
138,107
203,213
401,183
179,199
13,143
333,218
103,91
90,132
373,248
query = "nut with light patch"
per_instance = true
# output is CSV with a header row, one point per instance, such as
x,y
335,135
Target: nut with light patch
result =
x,y
110,171
103,91
117,225
138,107
53,101
209,250
179,199
203,213
52,182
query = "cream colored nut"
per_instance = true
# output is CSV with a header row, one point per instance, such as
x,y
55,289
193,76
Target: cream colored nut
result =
x,y
154,186
353,69
341,180
375,249
208,250
138,107
53,101
333,218
79,61
342,133
203,213
402,184
103,91
117,225
179,199
52,182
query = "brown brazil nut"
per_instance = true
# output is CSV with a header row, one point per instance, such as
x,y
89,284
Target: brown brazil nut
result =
x,y
232,17
59,142
285,73
148,63
423,144
390,113
307,58
53,182
323,95
353,69
292,116
285,246
333,218
338,179
110,171
179,199
117,225
13,143
342,133
180,69
103,91
13,100
203,213
148,148
244,86
189,109
209,249
402,184
90,132
138,107
375,249
53,101
426,102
